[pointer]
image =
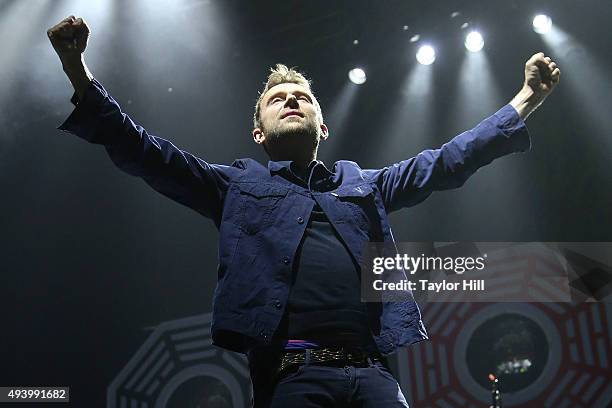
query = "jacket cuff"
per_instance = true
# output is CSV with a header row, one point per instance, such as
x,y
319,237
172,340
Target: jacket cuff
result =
x,y
86,108
511,124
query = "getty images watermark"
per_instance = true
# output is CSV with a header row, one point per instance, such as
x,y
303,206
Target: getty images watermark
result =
x,y
411,265
488,272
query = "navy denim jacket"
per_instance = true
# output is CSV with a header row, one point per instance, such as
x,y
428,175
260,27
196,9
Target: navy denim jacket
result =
x,y
261,211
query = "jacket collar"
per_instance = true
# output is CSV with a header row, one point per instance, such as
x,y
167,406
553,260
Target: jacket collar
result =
x,y
287,165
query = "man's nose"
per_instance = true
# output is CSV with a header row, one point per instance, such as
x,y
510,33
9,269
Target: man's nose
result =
x,y
292,101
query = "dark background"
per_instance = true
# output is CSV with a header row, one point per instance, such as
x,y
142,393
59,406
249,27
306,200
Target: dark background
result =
x,y
93,259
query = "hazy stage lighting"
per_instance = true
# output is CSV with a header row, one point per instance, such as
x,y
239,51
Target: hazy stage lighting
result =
x,y
542,24
474,41
426,55
357,76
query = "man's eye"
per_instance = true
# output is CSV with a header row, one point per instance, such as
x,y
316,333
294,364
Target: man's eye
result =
x,y
305,98
277,99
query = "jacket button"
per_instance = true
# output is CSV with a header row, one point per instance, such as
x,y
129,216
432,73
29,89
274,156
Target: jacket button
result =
x,y
278,304
263,334
300,220
286,260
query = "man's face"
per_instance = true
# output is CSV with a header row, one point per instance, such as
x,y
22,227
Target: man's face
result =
x,y
289,119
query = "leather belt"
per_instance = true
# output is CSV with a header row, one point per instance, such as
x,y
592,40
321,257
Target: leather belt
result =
x,y
326,355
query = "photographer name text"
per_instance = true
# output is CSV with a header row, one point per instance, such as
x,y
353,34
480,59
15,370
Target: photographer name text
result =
x,y
475,285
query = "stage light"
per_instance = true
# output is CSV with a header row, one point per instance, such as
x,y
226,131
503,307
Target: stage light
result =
x,y
357,76
542,24
474,41
426,55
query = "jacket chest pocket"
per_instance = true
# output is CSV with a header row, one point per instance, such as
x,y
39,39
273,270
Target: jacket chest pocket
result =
x,y
356,204
258,203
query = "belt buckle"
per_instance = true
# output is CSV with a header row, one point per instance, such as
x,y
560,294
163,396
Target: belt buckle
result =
x,y
363,356
355,356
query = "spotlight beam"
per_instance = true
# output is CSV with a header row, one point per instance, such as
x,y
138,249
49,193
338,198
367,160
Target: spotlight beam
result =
x,y
474,41
426,55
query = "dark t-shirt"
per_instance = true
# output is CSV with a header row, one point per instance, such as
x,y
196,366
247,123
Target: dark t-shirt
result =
x,y
324,303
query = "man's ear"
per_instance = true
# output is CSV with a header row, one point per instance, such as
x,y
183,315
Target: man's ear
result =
x,y
258,136
324,131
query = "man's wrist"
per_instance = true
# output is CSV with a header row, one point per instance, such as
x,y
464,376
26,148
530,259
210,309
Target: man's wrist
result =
x,y
79,75
72,63
525,102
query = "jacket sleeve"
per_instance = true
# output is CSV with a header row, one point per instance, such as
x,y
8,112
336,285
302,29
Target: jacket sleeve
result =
x,y
411,181
171,171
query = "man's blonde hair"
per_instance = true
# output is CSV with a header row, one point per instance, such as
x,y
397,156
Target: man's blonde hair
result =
x,y
281,74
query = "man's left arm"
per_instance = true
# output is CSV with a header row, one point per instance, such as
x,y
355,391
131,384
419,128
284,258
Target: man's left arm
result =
x,y
411,181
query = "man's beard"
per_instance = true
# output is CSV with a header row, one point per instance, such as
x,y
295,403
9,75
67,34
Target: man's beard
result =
x,y
289,138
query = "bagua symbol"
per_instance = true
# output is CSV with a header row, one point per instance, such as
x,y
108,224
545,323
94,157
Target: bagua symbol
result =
x,y
177,365
592,280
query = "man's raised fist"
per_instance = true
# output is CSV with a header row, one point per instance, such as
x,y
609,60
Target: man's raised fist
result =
x,y
69,37
541,74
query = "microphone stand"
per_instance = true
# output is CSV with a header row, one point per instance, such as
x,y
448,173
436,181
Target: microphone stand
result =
x,y
496,401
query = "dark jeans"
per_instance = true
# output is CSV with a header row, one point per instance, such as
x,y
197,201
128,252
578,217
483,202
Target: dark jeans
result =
x,y
320,386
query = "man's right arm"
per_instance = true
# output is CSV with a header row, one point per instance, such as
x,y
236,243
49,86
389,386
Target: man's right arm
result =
x,y
69,40
99,119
